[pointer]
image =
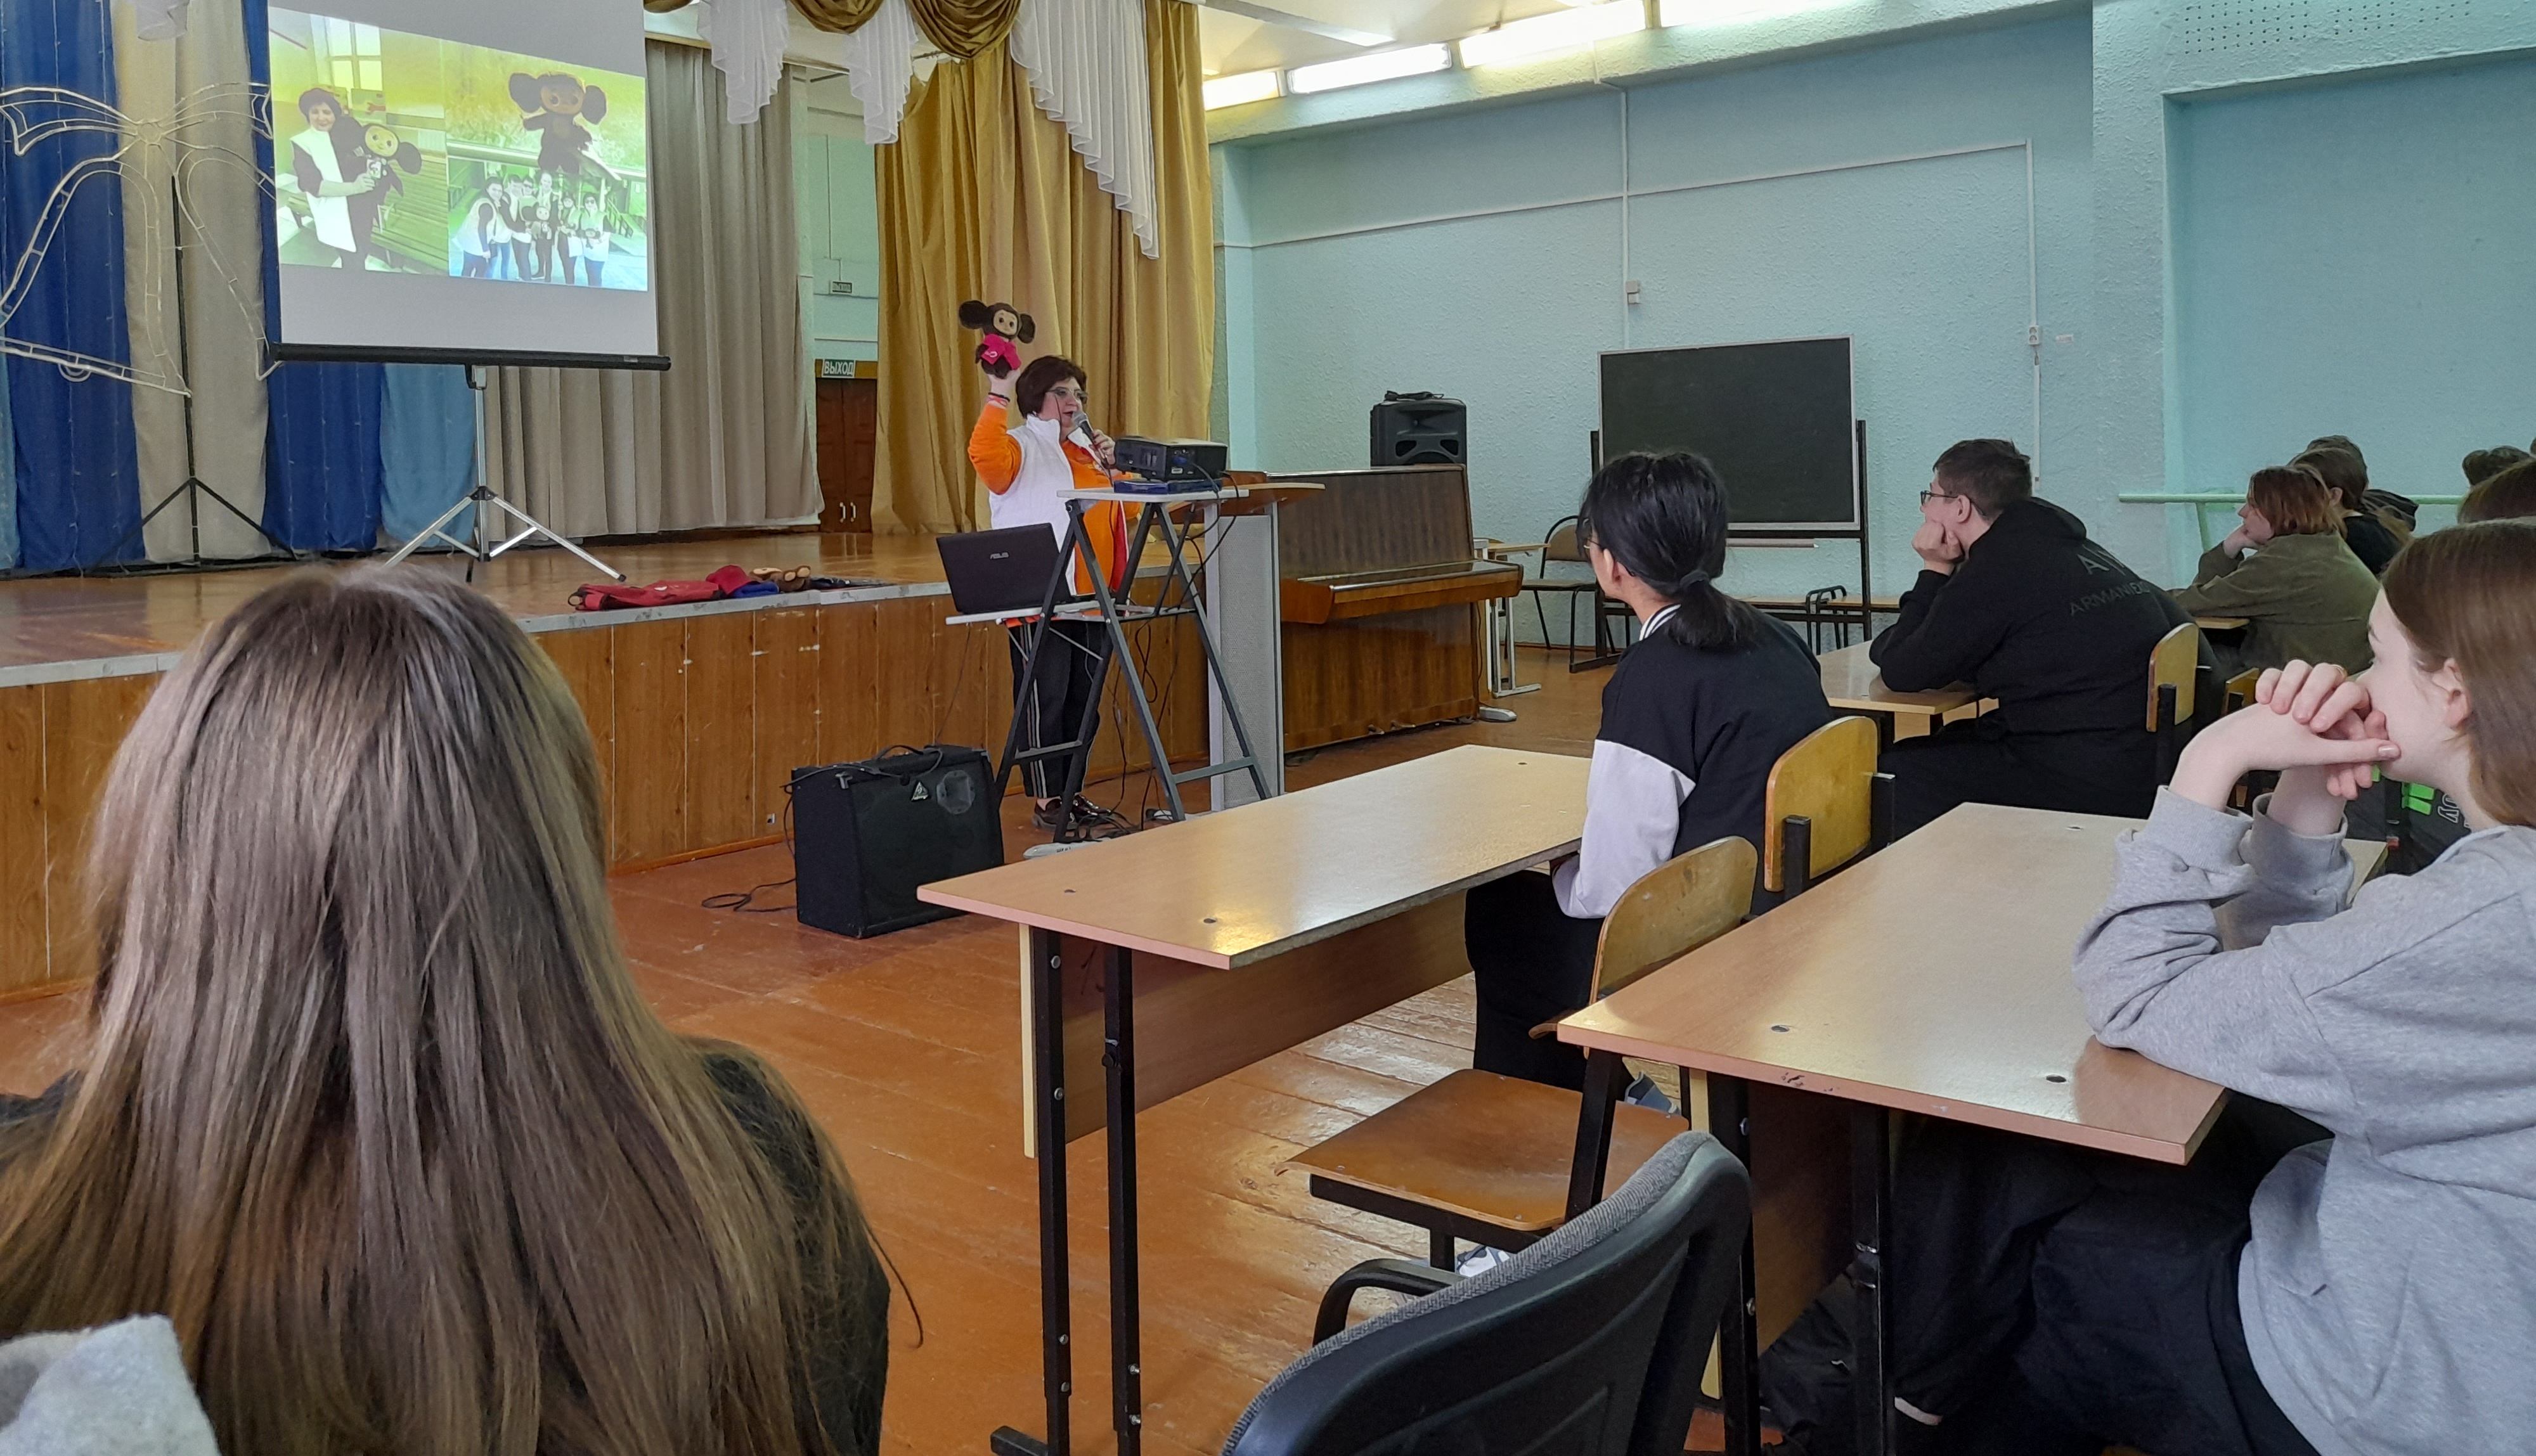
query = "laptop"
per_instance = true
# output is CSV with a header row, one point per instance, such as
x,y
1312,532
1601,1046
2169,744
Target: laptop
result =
x,y
999,571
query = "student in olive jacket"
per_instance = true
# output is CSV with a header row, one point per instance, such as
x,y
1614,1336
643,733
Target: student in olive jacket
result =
x,y
2287,570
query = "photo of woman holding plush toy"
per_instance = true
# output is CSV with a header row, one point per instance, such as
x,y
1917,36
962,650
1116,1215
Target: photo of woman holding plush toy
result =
x,y
322,165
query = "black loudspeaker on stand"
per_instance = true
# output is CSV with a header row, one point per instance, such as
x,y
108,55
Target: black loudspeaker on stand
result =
x,y
866,835
1419,429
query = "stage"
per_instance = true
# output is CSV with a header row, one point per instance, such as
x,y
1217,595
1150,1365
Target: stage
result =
x,y
700,712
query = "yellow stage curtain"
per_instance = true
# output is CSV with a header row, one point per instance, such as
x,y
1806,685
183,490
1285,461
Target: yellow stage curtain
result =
x,y
982,196
958,29
965,27
830,15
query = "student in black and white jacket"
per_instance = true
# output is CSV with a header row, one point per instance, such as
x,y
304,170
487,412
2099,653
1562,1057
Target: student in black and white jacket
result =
x,y
1694,718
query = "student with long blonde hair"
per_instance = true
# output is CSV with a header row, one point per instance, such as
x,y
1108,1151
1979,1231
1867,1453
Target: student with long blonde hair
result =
x,y
373,1112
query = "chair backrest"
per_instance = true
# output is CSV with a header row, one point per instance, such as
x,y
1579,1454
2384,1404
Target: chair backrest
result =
x,y
1672,910
2240,688
1828,781
1564,545
1590,1343
2174,662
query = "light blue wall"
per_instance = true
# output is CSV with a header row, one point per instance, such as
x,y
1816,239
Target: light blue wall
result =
x,y
839,217
2356,258
2152,58
1478,251
1881,194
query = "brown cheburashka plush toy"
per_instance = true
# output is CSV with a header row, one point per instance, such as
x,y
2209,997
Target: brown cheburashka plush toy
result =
x,y
1006,329
557,106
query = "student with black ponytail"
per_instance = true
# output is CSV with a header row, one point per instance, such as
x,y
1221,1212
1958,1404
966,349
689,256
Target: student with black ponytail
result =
x,y
1693,720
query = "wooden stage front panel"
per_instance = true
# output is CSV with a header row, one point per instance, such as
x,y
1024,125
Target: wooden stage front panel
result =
x,y
699,715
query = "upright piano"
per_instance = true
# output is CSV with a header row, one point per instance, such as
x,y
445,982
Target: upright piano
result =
x,y
1379,594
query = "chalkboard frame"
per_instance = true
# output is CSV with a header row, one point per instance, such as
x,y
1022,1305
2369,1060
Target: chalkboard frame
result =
x,y
1853,522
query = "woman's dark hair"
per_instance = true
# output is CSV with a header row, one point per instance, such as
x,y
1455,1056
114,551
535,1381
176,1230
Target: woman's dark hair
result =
x,y
1664,517
1041,375
310,99
2483,465
2344,472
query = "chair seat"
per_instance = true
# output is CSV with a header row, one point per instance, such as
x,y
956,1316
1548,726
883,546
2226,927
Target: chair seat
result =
x,y
1490,1148
1556,583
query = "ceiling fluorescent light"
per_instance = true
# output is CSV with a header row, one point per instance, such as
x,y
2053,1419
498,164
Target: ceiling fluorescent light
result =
x,y
1247,85
1561,29
1718,12
1382,65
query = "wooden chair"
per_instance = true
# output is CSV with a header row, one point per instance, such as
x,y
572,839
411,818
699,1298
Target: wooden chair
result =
x,y
1487,1158
2174,670
1824,805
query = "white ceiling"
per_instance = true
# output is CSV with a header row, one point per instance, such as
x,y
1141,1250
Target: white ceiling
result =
x,y
1232,43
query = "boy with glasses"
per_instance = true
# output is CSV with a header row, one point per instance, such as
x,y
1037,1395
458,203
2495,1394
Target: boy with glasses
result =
x,y
2013,598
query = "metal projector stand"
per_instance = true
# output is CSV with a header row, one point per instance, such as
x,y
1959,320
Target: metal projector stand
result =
x,y
482,498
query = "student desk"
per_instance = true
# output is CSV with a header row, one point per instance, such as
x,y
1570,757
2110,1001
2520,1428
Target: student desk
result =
x,y
1931,977
1854,685
2223,624
1158,962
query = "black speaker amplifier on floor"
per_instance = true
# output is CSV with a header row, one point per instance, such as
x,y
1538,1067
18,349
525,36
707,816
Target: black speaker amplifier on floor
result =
x,y
1418,430
866,835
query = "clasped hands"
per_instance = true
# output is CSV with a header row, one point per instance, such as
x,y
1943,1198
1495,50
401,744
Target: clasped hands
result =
x,y
2314,723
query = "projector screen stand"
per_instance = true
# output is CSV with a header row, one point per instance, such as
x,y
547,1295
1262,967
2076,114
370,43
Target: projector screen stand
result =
x,y
484,547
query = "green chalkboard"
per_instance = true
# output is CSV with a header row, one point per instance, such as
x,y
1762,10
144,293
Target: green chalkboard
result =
x,y
1774,418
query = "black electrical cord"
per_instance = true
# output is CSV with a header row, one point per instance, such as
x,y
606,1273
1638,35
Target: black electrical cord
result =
x,y
741,901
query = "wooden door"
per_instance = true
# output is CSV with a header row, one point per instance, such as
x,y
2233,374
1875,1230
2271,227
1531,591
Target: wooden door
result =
x,y
848,418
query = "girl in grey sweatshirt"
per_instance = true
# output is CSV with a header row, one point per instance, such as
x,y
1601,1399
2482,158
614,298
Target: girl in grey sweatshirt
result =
x,y
2349,1263
2388,1289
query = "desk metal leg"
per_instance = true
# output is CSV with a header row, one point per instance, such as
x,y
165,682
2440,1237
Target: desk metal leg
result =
x,y
1740,1343
1871,1183
1604,1071
1055,1304
1119,1058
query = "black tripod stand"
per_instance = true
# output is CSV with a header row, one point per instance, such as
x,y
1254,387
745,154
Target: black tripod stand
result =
x,y
193,489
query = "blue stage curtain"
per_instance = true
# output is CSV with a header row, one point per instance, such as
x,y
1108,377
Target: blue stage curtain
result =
x,y
322,433
321,455
8,481
427,448
77,473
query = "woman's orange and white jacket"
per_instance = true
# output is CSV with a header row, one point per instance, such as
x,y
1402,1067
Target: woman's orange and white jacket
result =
x,y
1028,471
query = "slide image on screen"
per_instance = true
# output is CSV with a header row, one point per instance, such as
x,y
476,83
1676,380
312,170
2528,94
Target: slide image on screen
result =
x,y
397,152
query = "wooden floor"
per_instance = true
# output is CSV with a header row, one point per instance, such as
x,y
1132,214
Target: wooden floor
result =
x,y
52,619
907,1049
